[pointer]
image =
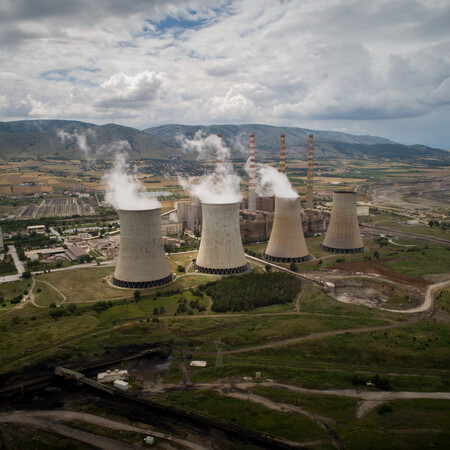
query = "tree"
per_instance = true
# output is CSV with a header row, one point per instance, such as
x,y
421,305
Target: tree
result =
x,y
26,275
376,255
268,267
137,295
293,267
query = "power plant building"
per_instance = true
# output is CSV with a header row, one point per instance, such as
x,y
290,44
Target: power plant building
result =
x,y
287,242
142,262
343,235
221,250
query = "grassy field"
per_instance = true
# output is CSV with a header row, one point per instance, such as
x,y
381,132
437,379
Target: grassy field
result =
x,y
411,424
425,259
443,300
45,295
91,284
10,290
416,229
339,409
422,345
284,425
15,436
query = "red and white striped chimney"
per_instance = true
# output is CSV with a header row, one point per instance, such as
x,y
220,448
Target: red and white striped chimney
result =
x,y
251,175
309,185
282,154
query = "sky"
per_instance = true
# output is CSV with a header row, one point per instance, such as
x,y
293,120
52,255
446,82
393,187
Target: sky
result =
x,y
359,66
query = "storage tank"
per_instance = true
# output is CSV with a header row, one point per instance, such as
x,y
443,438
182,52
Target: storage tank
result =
x,y
287,242
221,250
343,235
142,262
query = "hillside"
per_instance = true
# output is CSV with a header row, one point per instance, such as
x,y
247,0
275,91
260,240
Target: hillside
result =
x,y
39,138
327,144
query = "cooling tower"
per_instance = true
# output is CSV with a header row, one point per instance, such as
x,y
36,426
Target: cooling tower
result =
x,y
287,243
343,234
221,250
142,262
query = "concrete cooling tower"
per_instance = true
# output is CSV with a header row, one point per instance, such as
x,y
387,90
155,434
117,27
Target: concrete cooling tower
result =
x,y
142,262
221,250
287,243
343,234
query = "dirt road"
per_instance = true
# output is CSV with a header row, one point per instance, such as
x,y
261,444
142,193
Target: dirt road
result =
x,y
48,420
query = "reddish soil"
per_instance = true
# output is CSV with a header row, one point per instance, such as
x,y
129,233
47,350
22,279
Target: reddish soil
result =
x,y
377,266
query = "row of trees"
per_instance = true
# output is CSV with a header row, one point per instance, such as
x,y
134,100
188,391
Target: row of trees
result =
x,y
253,290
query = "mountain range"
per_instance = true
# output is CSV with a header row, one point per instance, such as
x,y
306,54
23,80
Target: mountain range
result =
x,y
42,139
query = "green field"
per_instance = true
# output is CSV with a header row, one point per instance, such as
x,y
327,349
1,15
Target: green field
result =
x,y
46,295
290,426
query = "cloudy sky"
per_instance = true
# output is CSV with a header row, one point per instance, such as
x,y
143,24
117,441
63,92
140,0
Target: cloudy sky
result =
x,y
360,66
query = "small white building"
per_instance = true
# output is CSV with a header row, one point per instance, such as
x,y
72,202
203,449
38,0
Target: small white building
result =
x,y
149,440
112,375
122,385
198,363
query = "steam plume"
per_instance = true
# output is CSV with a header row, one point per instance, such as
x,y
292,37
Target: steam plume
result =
x,y
124,190
221,186
271,182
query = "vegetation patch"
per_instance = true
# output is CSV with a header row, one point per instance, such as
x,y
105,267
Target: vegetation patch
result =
x,y
243,413
252,291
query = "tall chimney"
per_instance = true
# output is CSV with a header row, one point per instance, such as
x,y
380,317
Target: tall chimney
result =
x,y
309,185
251,176
282,154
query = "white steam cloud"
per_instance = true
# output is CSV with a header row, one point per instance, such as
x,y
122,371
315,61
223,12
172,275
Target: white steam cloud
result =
x,y
221,186
80,139
90,152
271,182
204,145
124,190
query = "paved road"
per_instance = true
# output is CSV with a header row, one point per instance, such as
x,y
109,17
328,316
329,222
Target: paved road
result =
x,y
13,252
55,233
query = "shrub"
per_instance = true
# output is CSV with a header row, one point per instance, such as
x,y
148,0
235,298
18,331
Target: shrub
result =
x,y
385,408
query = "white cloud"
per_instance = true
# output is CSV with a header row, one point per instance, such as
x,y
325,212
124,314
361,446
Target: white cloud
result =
x,y
321,62
129,91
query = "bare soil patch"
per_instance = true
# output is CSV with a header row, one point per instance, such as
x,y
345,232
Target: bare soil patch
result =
x,y
377,266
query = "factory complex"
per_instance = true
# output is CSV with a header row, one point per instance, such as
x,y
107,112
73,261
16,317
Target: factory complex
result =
x,y
142,262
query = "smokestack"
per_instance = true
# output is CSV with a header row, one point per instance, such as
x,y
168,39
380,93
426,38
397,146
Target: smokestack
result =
x,y
282,154
251,175
221,250
343,235
309,185
287,243
142,262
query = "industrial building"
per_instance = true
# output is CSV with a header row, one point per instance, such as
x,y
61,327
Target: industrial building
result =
x,y
287,242
112,375
142,262
189,214
343,235
221,250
